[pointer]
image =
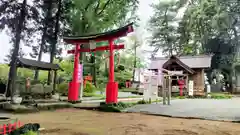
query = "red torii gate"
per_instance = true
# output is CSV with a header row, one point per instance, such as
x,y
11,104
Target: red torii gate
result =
x,y
110,36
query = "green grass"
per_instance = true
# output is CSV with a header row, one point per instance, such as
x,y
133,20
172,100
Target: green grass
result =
x,y
128,90
91,95
30,133
220,96
213,96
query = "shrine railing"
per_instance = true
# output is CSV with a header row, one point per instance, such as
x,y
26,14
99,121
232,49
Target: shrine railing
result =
x,y
8,128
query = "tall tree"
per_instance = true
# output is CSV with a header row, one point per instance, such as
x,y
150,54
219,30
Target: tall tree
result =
x,y
163,28
47,18
98,16
18,19
135,43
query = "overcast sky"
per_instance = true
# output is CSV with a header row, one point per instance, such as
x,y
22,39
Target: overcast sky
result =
x,y
145,11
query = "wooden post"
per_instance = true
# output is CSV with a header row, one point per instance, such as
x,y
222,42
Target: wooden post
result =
x,y
163,90
187,84
54,81
169,89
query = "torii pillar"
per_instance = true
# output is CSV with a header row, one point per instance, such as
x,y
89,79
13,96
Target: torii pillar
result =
x,y
110,36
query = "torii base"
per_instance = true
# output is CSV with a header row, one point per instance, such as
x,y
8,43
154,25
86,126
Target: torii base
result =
x,y
111,92
73,91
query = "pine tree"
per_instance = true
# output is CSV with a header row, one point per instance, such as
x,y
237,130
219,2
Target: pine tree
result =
x,y
18,19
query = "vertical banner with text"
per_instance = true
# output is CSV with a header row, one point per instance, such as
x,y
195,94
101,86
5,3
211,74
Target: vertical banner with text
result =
x,y
80,72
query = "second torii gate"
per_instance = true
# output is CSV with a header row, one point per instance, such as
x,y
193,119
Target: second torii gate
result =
x,y
110,36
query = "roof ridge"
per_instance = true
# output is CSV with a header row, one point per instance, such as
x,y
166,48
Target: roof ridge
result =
x,y
184,56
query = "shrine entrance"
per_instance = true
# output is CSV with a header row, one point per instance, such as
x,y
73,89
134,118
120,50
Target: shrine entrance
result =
x,y
88,46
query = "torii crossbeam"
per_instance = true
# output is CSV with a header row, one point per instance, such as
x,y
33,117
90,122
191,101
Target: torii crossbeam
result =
x,y
110,36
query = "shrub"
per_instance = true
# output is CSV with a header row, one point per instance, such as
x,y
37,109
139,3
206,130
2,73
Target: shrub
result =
x,y
118,107
142,102
89,88
85,94
62,89
181,97
30,133
220,96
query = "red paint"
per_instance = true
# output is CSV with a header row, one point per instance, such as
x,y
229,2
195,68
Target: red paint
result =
x,y
181,84
112,86
111,61
8,128
101,48
127,84
73,90
111,35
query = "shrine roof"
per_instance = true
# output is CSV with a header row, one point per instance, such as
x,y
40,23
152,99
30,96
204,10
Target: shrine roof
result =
x,y
199,61
33,64
117,33
179,62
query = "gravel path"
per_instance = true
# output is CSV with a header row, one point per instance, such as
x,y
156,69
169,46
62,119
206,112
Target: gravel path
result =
x,y
210,109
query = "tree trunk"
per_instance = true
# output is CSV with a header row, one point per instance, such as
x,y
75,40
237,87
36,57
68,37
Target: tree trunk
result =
x,y
13,67
46,21
134,62
54,47
93,67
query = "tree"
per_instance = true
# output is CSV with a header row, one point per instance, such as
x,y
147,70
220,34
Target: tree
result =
x,y
98,16
54,16
163,28
14,15
135,43
206,27
47,6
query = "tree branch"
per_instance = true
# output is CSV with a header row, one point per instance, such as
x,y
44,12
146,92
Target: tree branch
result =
x,y
5,5
104,7
97,7
88,5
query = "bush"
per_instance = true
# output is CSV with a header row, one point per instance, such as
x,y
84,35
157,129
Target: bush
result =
x,y
89,88
62,89
142,102
214,96
115,107
220,96
30,133
88,94
181,97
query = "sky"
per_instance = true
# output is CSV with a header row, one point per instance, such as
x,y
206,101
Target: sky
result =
x,y
144,12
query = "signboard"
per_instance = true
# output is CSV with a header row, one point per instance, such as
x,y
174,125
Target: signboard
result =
x,y
150,86
92,44
190,88
176,72
160,77
80,72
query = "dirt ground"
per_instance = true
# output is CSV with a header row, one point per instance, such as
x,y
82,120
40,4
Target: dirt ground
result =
x,y
83,122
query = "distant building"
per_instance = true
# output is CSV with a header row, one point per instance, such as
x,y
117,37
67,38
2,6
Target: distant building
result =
x,y
192,67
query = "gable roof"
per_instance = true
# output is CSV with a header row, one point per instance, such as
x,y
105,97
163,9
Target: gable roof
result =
x,y
120,32
200,61
179,62
33,64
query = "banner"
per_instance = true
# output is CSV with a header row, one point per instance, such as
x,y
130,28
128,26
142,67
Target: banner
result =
x,y
80,72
